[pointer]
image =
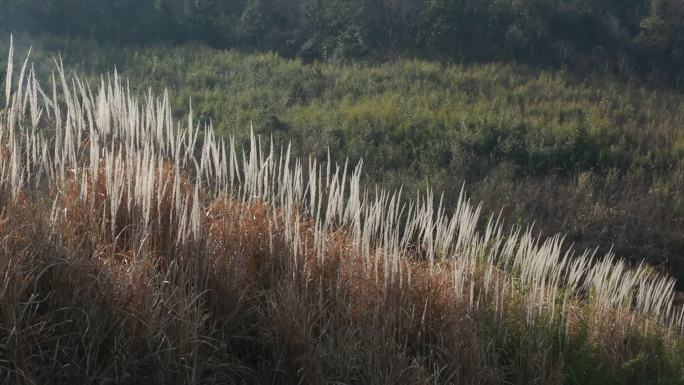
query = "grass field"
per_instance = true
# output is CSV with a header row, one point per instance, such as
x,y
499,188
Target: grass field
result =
x,y
135,248
594,158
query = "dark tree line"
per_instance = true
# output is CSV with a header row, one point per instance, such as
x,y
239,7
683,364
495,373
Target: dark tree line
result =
x,y
627,35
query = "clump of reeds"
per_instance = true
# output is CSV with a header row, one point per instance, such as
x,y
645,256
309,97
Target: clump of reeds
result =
x,y
130,251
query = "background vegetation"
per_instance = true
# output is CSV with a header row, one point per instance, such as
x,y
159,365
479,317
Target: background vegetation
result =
x,y
624,36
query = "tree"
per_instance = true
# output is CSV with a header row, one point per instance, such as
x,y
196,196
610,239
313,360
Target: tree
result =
x,y
663,29
256,19
336,28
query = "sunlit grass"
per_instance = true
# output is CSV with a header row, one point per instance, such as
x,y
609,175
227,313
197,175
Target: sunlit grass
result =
x,y
134,248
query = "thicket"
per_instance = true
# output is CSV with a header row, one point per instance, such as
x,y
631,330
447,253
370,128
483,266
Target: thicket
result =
x,y
595,158
628,36
135,250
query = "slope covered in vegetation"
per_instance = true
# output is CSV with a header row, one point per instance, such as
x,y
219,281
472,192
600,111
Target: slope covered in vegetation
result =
x,y
596,159
134,249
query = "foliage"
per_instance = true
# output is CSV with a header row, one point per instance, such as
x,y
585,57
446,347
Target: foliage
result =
x,y
617,35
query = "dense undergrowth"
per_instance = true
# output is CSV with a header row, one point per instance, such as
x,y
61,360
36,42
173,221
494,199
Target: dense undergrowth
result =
x,y
597,159
135,250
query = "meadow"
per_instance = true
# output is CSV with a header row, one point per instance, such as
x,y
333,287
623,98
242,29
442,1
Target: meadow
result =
x,y
594,157
140,248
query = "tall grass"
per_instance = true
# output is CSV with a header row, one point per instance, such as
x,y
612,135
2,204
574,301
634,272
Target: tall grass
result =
x,y
523,139
131,250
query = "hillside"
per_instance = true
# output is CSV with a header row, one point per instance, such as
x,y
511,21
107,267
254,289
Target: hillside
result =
x,y
595,158
136,248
